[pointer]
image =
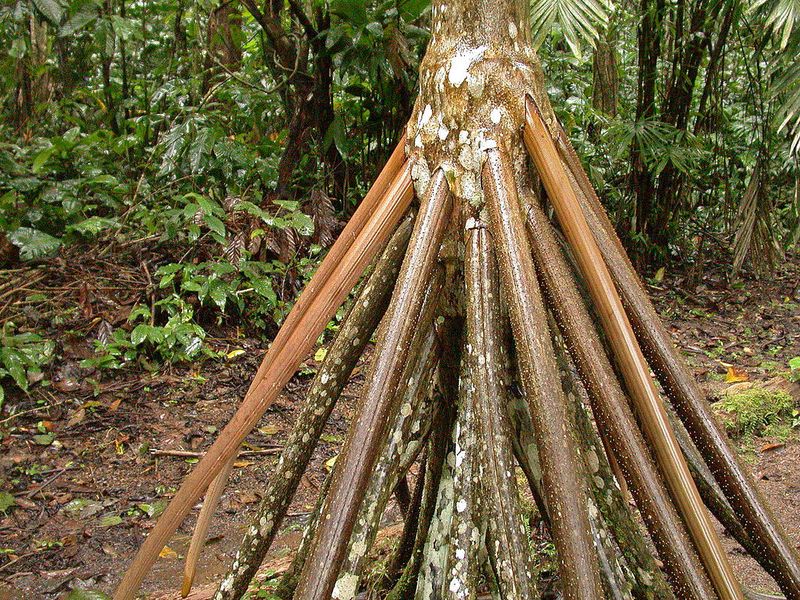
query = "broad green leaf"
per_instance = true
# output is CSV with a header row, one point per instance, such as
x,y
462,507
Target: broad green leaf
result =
x,y
42,158
264,288
140,333
412,9
12,361
86,14
353,11
215,224
93,225
33,243
302,223
50,10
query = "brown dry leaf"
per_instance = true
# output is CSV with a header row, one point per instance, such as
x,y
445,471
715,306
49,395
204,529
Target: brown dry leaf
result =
x,y
242,463
114,405
736,375
768,447
76,417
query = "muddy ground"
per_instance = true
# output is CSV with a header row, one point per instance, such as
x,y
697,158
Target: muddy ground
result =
x,y
89,464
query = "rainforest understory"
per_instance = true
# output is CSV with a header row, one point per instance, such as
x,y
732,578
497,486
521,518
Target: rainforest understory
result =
x,y
511,330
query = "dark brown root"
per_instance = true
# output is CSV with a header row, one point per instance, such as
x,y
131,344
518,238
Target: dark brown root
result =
x,y
361,240
775,553
406,439
355,463
612,414
442,425
633,366
563,490
288,583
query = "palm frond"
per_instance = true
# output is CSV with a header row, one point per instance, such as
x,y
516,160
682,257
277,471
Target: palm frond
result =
x,y
782,16
755,239
579,20
787,87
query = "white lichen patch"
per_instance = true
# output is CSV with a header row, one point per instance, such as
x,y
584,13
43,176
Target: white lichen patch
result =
x,y
346,587
461,63
421,174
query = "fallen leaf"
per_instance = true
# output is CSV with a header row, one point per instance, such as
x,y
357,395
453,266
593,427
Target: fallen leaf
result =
x,y
736,375
330,462
87,595
167,552
248,497
76,417
44,439
110,521
768,447
242,463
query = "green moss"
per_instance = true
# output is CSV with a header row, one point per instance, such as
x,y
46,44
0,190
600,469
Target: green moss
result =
x,y
755,412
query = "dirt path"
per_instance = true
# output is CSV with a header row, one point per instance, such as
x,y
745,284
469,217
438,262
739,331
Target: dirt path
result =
x,y
87,485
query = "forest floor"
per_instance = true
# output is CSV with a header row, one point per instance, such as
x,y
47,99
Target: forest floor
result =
x,y
89,466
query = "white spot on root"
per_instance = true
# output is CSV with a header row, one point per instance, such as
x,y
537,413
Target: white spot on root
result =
x,y
345,587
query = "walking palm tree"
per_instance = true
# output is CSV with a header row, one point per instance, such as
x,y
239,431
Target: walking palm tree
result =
x,y
497,328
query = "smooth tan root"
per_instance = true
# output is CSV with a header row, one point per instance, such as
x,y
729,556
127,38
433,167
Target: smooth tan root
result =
x,y
367,232
633,365
210,502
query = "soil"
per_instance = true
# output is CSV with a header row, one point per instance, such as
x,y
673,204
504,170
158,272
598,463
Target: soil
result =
x,y
86,463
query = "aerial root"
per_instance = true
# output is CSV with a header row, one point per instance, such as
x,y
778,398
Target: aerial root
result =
x,y
613,416
288,583
709,489
633,569
563,486
775,553
435,459
357,459
633,365
433,582
405,545
356,330
361,240
401,448
464,538
486,365
212,497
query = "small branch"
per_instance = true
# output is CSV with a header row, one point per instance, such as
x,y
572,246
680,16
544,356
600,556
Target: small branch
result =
x,y
191,454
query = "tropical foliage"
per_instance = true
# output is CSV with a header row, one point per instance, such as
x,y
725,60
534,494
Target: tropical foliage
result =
x,y
230,140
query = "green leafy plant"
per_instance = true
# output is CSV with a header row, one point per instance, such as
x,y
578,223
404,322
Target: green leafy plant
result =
x,y
754,411
22,357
